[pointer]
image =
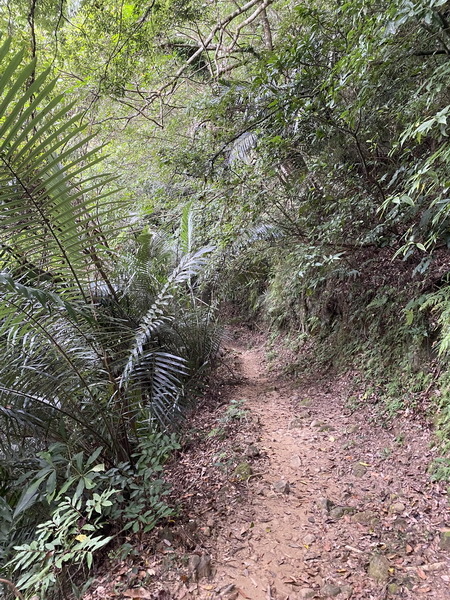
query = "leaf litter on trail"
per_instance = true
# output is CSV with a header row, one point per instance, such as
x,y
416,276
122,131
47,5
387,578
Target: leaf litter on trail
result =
x,y
237,514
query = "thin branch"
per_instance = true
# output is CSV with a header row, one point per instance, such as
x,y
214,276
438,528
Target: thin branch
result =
x,y
267,30
15,591
31,23
209,39
247,21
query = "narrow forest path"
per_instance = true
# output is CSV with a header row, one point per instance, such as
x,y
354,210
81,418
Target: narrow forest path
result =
x,y
290,491
337,505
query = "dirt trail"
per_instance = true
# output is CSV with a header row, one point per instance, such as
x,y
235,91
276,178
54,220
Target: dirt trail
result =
x,y
338,503
269,557
337,506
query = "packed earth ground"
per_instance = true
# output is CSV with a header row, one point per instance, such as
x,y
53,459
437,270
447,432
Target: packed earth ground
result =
x,y
293,489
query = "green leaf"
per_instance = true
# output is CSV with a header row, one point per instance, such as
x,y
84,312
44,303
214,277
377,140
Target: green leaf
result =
x,y
98,468
28,498
409,317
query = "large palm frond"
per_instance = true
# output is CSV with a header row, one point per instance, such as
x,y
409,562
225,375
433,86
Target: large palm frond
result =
x,y
159,317
55,374
47,227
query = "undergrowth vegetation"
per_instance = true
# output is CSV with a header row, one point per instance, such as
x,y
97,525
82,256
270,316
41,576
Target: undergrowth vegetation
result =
x,y
102,344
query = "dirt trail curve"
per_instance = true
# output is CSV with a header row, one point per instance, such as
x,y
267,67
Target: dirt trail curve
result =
x,y
337,506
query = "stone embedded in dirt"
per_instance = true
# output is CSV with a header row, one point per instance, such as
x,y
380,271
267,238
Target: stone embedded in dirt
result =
x,y
296,462
366,517
194,561
309,539
353,429
206,531
204,568
324,504
316,423
307,593
296,423
359,470
378,568
252,451
242,472
135,594
337,512
200,567
340,511
329,590
281,487
397,508
346,592
444,540
326,428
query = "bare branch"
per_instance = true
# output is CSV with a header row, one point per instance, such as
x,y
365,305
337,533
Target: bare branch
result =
x,y
220,26
267,30
13,588
247,21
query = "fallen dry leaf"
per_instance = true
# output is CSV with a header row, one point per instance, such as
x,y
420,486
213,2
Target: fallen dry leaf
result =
x,y
138,593
434,566
420,573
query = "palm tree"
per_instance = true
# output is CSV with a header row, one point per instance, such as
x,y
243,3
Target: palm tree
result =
x,y
98,346
89,348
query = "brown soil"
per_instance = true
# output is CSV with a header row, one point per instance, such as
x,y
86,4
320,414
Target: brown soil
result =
x,y
330,492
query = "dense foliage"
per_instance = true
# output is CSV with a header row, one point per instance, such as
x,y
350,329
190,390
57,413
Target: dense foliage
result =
x,y
308,142
101,335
